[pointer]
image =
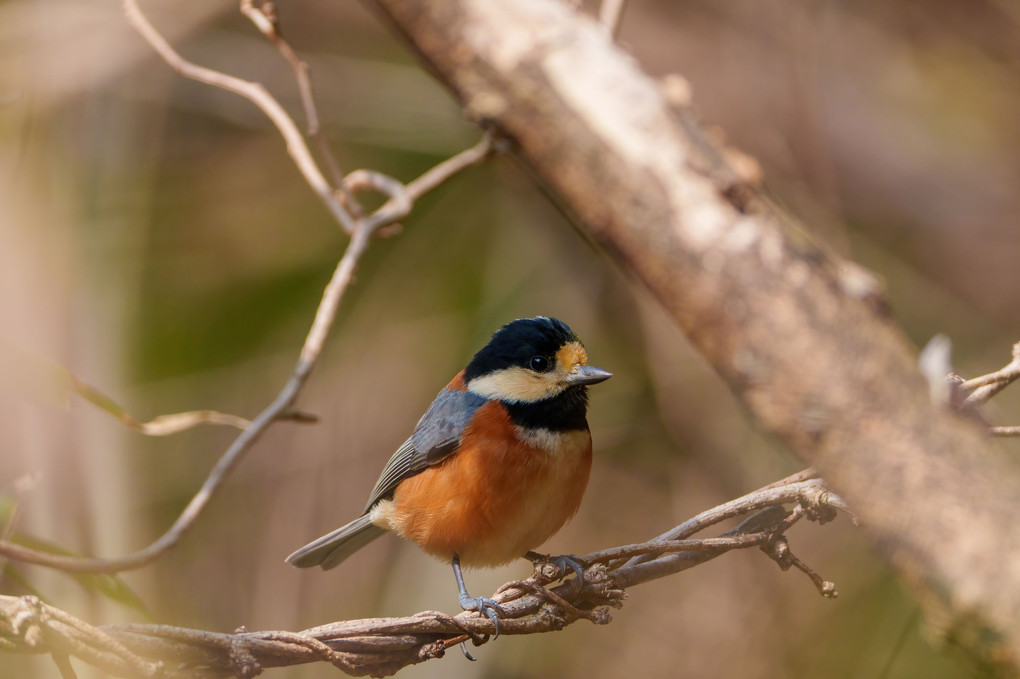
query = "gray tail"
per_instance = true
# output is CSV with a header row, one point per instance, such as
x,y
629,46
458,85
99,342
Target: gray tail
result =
x,y
329,550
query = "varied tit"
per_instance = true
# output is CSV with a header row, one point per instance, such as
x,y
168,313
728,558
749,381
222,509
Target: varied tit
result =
x,y
495,467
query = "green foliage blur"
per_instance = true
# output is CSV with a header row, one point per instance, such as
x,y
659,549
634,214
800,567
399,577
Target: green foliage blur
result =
x,y
157,242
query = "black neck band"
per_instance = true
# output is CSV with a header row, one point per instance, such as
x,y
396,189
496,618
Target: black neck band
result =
x,y
564,412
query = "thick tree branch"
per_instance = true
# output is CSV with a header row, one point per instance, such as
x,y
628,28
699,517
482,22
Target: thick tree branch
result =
x,y
803,337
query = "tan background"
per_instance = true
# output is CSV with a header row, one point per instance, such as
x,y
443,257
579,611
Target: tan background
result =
x,y
155,240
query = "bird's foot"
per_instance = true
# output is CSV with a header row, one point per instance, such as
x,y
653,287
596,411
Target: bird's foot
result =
x,y
564,564
484,606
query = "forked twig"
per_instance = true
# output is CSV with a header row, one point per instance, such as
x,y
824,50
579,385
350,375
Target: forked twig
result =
x,y
265,19
986,386
258,95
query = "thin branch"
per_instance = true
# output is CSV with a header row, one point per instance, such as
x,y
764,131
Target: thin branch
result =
x,y
791,489
760,528
670,546
953,388
401,197
163,425
45,380
778,549
986,386
435,176
257,94
266,20
381,646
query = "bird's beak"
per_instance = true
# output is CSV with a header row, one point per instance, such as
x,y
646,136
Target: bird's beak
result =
x,y
588,374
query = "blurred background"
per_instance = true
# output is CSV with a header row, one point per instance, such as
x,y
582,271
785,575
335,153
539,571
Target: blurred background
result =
x,y
156,241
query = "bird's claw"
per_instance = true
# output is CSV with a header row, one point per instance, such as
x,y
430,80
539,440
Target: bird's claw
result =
x,y
485,606
564,563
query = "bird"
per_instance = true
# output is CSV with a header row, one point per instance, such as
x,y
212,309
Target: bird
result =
x,y
498,463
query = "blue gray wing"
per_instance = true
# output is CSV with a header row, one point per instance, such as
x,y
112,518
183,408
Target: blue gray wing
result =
x,y
435,438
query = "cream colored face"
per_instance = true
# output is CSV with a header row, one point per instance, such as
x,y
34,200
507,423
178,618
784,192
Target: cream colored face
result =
x,y
523,385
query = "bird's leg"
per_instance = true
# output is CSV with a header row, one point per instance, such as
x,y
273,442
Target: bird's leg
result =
x,y
563,562
481,604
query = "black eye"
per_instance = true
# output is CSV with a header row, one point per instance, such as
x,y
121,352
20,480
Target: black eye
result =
x,y
540,364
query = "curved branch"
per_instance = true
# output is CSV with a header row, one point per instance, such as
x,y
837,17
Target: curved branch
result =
x,y
986,386
256,94
265,19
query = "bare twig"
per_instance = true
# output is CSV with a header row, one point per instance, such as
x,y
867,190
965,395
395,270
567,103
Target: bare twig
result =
x,y
163,425
266,20
381,646
257,94
790,489
778,549
401,197
986,386
1004,431
44,380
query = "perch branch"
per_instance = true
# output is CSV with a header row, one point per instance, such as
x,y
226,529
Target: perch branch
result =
x,y
381,646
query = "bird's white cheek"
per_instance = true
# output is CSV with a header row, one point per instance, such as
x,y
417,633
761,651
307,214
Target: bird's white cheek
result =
x,y
515,385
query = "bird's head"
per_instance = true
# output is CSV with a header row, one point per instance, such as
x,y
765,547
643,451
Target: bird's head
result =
x,y
530,360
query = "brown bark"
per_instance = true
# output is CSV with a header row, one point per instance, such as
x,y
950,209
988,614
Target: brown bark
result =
x,y
802,337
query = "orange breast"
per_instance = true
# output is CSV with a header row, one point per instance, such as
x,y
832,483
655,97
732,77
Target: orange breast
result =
x,y
502,493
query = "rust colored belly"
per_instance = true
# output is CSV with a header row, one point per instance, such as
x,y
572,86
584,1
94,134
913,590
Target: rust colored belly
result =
x,y
502,493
